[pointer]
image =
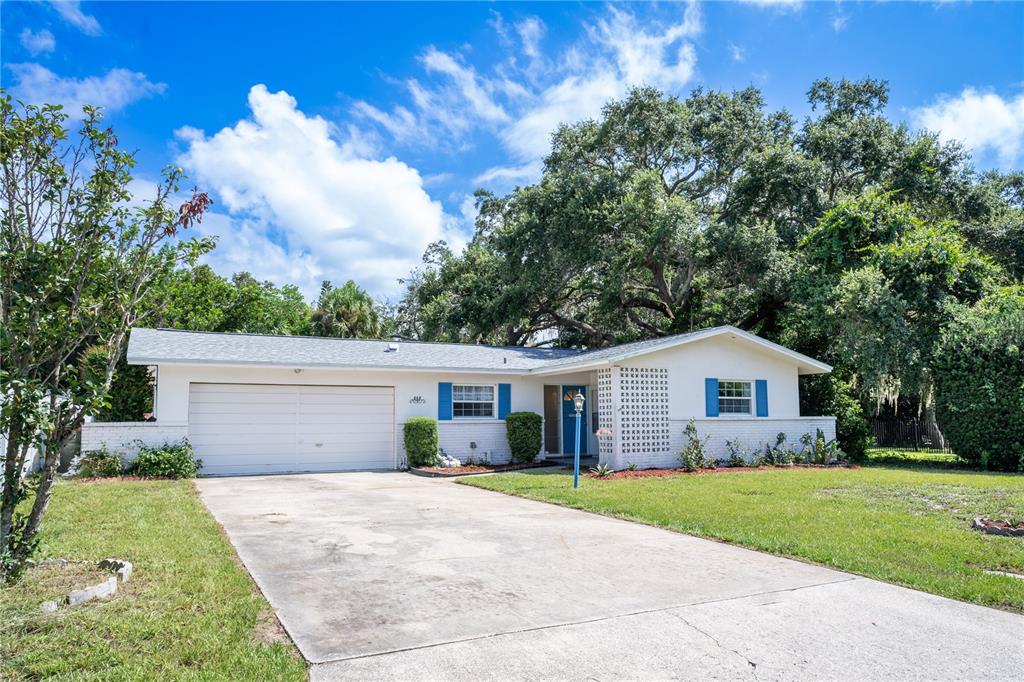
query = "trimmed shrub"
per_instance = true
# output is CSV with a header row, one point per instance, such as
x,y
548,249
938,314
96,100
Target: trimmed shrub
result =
x,y
97,464
979,381
523,430
421,441
168,461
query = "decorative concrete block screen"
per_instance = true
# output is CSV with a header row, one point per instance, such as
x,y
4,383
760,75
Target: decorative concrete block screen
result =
x,y
643,411
606,416
633,406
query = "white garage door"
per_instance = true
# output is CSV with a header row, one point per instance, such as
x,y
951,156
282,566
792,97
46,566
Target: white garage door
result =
x,y
262,428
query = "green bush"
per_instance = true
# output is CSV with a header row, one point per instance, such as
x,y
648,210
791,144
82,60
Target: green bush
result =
x,y
421,442
694,455
168,461
523,430
833,395
979,381
98,464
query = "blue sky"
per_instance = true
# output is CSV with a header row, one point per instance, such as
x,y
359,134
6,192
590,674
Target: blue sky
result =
x,y
338,139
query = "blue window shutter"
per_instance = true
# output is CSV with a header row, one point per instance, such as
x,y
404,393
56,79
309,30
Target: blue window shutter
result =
x,y
711,397
444,401
504,400
761,391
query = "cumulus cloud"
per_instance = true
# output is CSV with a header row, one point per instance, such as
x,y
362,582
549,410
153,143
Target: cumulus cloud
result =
x,y
305,207
991,126
71,12
113,91
37,42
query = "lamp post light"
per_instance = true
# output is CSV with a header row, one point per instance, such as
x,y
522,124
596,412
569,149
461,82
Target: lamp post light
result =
x,y
578,401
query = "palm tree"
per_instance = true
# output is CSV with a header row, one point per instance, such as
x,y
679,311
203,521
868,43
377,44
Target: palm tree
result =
x,y
346,312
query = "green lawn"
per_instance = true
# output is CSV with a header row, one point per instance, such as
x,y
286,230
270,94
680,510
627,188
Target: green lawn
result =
x,y
190,611
914,458
909,527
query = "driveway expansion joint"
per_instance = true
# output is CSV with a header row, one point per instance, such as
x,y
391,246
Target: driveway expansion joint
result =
x,y
586,621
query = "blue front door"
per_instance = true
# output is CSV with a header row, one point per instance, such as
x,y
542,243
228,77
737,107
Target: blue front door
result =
x,y
569,421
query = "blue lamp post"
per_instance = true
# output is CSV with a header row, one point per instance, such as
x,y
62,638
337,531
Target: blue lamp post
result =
x,y
578,401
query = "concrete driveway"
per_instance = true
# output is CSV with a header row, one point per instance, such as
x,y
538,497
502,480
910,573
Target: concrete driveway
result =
x,y
392,576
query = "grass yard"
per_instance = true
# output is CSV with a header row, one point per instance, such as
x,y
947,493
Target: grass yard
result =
x,y
190,610
914,458
903,526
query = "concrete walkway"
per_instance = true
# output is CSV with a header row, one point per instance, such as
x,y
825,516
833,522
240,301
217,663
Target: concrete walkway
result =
x,y
392,576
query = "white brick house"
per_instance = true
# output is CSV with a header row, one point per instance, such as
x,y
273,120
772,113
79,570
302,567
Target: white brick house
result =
x,y
262,404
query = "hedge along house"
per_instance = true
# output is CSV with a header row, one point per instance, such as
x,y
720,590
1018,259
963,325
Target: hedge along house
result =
x,y
253,404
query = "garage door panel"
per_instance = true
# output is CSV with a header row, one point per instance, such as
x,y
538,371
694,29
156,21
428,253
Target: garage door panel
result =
x,y
252,429
213,418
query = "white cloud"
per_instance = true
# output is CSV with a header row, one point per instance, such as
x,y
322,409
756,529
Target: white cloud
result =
x,y
737,52
839,22
113,91
531,30
510,174
521,105
628,54
989,125
781,5
71,12
469,87
401,123
37,42
658,58
573,99
310,208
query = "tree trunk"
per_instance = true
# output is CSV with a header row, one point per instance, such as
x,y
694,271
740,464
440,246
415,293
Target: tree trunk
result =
x,y
928,410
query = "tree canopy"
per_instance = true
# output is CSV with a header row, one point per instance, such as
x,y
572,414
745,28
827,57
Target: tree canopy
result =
x,y
845,235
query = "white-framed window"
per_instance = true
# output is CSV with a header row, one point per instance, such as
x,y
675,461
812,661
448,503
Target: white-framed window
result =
x,y
735,397
473,401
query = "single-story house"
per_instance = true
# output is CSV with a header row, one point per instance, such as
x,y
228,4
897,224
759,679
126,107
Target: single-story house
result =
x,y
252,404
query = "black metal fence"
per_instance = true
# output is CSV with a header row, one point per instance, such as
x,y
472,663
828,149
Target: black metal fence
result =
x,y
907,434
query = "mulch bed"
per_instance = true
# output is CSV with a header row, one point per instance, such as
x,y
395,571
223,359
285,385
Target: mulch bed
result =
x,y
474,469
999,527
662,473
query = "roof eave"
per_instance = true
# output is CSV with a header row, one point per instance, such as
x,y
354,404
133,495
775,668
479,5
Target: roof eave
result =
x,y
135,360
805,364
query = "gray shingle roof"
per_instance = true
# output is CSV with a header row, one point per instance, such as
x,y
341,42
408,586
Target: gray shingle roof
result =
x,y
153,346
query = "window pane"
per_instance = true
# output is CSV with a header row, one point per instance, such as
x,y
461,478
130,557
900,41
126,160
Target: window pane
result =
x,y
466,392
734,405
464,409
734,389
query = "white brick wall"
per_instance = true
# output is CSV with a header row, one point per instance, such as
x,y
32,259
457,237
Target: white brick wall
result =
x,y
491,442
752,433
125,438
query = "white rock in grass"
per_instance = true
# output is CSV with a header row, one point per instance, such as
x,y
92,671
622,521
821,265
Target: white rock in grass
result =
x,y
107,588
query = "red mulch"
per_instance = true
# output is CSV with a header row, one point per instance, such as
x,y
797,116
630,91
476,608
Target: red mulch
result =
x,y
662,473
481,468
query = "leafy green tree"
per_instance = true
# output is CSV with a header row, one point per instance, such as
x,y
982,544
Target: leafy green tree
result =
x,y
670,214
77,255
346,312
880,284
979,376
261,308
